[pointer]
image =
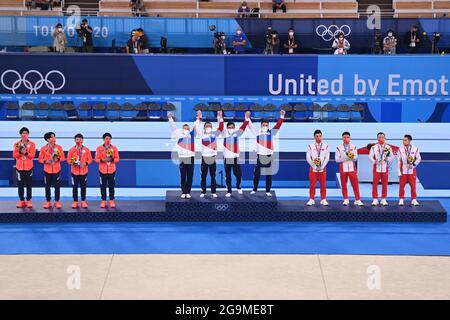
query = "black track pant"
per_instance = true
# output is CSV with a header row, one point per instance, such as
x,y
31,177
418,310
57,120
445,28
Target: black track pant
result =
x,y
107,180
262,162
186,174
79,181
232,164
208,164
24,180
52,180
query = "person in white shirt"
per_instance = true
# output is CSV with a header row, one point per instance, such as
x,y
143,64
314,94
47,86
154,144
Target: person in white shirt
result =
x,y
340,44
317,157
231,153
186,154
381,155
408,159
209,151
264,148
347,155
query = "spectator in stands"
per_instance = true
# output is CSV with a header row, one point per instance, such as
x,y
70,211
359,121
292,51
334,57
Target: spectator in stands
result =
x,y
85,32
278,4
30,4
59,39
239,42
133,44
143,41
291,44
390,43
341,45
136,7
244,10
412,39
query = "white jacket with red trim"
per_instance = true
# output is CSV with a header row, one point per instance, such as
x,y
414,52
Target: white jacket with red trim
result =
x,y
403,153
346,164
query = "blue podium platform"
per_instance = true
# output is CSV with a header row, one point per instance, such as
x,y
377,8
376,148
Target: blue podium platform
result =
x,y
246,207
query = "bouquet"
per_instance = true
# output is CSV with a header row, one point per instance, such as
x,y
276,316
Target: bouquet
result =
x,y
350,155
56,154
109,155
74,161
317,162
19,146
387,151
411,160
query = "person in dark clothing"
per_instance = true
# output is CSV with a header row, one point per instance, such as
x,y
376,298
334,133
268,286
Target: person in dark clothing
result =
x,y
85,33
412,39
143,41
291,44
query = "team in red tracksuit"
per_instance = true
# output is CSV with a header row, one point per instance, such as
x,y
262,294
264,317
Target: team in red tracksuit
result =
x,y
79,159
347,155
317,157
408,159
381,155
51,155
24,152
107,156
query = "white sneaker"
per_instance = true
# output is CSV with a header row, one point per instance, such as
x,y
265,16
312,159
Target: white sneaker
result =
x,y
414,202
324,202
202,195
401,202
311,202
346,202
214,195
359,203
253,192
375,202
240,191
384,202
228,195
268,194
188,196
183,196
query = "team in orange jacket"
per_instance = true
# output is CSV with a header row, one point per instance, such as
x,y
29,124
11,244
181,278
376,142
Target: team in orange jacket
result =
x,y
24,152
79,159
51,155
107,156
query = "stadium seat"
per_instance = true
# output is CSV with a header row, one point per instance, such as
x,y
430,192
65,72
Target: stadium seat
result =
x,y
12,110
85,111
270,112
71,111
166,108
99,111
228,112
57,112
343,111
315,112
288,108
239,111
154,111
141,112
127,112
42,111
300,112
113,111
329,113
357,112
257,111
28,111
212,111
200,107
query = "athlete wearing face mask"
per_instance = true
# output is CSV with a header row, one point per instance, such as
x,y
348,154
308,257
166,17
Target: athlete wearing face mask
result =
x,y
209,151
79,158
264,149
291,44
381,155
231,153
340,44
186,153
317,157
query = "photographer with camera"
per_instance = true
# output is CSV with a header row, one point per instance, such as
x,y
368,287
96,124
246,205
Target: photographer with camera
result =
x,y
85,33
220,45
133,44
239,42
272,41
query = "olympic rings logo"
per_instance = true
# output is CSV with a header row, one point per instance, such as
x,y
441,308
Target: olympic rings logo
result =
x,y
331,32
26,81
221,206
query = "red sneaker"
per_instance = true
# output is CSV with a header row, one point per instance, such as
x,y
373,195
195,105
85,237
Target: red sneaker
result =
x,y
84,204
20,204
112,204
75,205
58,205
47,205
103,204
29,204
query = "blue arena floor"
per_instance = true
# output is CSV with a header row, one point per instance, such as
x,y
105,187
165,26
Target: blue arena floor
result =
x,y
230,238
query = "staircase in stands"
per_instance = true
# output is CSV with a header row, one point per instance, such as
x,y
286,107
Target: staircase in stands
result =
x,y
386,7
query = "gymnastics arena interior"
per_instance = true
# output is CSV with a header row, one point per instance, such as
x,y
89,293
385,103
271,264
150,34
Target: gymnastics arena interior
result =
x,y
155,244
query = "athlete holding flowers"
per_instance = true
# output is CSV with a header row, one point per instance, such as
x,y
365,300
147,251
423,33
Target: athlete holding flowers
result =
x,y
381,155
318,156
24,152
346,155
408,159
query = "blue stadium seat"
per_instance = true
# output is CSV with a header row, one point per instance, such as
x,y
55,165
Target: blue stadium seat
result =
x,y
212,111
12,111
329,113
57,112
228,112
270,112
154,111
85,111
357,112
288,108
257,111
113,111
315,111
71,110
300,113
141,112
239,111
99,111
343,111
28,111
127,112
42,111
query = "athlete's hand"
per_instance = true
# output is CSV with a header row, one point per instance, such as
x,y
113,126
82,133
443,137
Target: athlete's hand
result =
x,y
248,115
219,114
282,112
199,114
170,115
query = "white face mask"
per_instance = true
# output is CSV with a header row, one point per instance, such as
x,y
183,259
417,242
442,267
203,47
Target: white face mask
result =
x,y
223,37
230,131
60,29
208,130
264,129
244,7
186,132
239,32
390,34
291,34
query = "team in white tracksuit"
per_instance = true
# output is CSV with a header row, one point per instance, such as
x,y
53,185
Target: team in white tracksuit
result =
x,y
317,156
408,159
